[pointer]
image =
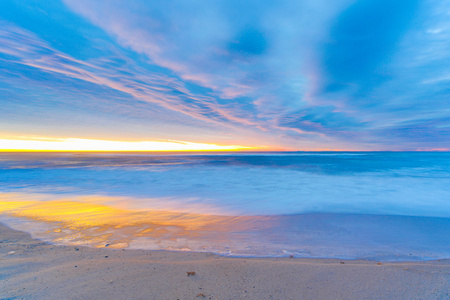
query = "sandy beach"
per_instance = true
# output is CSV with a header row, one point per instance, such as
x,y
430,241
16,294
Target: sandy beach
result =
x,y
224,149
32,269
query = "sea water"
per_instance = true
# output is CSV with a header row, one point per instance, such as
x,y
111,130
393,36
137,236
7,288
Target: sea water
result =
x,y
373,205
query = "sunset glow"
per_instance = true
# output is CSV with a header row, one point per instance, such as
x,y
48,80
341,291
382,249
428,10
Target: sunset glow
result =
x,y
73,144
308,135
324,76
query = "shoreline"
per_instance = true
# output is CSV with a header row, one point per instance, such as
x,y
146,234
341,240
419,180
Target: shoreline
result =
x,y
94,222
30,268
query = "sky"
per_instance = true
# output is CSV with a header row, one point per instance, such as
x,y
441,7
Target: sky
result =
x,y
283,75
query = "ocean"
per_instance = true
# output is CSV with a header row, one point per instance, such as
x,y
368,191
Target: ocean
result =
x,y
391,206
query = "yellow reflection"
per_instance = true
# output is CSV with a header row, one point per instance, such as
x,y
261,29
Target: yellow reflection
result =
x,y
73,144
90,223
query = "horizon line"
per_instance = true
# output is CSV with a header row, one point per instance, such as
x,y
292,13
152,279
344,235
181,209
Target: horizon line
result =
x,y
82,145
203,151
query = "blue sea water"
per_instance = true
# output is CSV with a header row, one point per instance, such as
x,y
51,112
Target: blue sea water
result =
x,y
376,205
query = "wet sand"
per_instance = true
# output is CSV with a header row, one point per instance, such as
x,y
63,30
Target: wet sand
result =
x,y
32,269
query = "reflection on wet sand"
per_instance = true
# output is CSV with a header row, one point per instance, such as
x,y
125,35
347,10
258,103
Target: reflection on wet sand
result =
x,y
98,225
101,221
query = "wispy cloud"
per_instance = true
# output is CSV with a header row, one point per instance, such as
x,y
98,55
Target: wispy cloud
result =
x,y
355,74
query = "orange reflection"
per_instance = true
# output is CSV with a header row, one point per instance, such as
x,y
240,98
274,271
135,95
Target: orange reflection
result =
x,y
89,223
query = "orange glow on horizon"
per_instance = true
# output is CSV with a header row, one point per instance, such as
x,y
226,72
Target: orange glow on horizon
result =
x,y
92,145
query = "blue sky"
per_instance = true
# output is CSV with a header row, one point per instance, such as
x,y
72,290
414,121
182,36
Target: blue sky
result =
x,y
359,75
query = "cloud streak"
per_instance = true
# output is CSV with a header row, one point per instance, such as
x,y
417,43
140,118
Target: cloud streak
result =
x,y
347,74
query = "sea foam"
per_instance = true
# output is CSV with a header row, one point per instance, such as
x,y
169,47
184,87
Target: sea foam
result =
x,y
389,205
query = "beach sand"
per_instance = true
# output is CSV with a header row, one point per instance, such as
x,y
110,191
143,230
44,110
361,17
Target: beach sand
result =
x,y
32,269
